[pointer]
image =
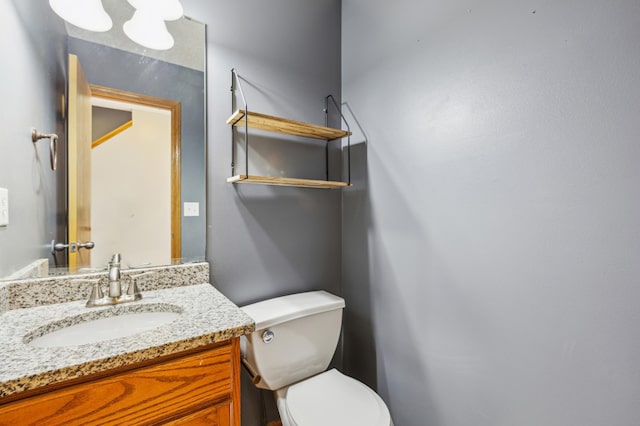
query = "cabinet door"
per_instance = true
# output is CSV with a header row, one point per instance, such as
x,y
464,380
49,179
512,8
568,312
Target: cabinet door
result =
x,y
150,394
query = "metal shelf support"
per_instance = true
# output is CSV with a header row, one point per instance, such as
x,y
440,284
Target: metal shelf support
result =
x,y
326,121
235,80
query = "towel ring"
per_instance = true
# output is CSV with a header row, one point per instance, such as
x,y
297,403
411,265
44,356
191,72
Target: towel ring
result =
x,y
53,145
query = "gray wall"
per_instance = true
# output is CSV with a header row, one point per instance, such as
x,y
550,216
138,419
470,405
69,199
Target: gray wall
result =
x,y
116,68
268,241
32,82
492,239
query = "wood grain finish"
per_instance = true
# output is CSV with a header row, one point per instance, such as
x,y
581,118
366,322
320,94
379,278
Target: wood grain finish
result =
x,y
282,181
79,164
219,415
198,388
284,125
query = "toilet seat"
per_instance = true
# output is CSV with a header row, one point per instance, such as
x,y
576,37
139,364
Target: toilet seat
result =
x,y
331,398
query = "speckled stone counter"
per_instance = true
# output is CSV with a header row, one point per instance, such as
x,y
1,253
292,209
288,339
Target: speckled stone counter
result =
x,y
57,289
205,316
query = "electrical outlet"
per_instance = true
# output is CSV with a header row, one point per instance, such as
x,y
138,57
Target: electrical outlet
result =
x,y
4,207
191,209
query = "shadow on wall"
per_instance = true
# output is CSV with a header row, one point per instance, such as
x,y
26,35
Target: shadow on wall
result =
x,y
283,226
287,254
398,288
359,346
280,156
376,313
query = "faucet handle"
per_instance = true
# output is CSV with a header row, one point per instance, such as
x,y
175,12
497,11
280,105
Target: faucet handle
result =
x,y
133,289
96,290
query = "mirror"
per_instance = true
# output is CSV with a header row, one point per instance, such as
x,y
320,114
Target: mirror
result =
x,y
37,44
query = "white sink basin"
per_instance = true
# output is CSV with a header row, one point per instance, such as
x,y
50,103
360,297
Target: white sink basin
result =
x,y
85,330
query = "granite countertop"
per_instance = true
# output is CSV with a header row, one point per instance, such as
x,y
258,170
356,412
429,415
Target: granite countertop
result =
x,y
206,316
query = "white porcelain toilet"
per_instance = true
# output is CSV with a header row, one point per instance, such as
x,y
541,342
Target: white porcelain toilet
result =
x,y
294,341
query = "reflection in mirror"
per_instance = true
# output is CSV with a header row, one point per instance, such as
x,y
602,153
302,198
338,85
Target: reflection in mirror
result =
x,y
132,133
128,214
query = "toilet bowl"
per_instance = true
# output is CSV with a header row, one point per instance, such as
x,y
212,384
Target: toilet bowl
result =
x,y
331,398
288,353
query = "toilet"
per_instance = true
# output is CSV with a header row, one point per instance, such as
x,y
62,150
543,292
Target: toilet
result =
x,y
289,352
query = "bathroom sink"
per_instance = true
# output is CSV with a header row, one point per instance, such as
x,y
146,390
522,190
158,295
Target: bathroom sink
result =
x,y
100,326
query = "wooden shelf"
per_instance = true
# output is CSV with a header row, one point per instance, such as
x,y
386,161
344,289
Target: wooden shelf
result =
x,y
284,125
302,183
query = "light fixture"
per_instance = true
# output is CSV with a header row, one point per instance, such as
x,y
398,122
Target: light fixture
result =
x,y
86,14
149,30
168,10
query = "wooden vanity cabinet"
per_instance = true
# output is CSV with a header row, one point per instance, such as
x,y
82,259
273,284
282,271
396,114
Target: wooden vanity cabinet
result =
x,y
191,388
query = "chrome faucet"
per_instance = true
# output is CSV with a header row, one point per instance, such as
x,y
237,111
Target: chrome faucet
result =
x,y
115,287
115,295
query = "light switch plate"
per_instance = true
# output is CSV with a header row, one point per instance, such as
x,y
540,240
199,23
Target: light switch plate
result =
x,y
4,207
191,209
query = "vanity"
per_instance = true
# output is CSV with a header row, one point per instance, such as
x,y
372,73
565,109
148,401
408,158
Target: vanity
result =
x,y
182,369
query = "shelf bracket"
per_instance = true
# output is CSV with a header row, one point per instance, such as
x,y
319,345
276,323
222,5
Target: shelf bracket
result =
x,y
235,82
326,122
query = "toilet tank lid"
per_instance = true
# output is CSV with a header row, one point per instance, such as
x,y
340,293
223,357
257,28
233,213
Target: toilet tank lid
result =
x,y
286,308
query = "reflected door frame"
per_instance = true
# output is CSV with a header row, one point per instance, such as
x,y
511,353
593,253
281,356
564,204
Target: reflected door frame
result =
x,y
78,166
175,110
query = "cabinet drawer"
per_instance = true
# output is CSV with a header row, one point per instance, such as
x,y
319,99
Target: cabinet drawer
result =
x,y
219,415
138,396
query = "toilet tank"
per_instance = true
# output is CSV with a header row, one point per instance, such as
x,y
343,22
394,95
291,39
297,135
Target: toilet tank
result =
x,y
295,337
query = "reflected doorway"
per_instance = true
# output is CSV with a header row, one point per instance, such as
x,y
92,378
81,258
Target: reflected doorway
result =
x,y
135,178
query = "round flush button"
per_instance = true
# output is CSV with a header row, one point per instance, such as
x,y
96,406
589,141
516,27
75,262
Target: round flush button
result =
x,y
268,336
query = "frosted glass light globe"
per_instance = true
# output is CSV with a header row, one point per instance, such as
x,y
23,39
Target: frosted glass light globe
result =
x,y
86,14
148,30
